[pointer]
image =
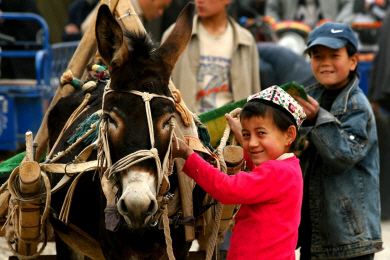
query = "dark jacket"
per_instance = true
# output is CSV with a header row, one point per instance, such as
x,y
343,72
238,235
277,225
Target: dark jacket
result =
x,y
379,89
343,170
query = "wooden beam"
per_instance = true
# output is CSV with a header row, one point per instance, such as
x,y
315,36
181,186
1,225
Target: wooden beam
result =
x,y
83,54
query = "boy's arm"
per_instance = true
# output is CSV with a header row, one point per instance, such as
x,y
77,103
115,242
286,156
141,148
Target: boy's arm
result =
x,y
263,184
342,144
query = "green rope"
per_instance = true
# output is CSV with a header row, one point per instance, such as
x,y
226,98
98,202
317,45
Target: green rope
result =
x,y
84,127
204,135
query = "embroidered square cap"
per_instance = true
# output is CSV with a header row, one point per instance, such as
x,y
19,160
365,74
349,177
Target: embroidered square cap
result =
x,y
280,99
332,35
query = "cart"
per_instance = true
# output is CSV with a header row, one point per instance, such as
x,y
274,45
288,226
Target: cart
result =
x,y
25,101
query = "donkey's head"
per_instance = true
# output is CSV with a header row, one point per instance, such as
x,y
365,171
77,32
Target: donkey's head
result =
x,y
138,109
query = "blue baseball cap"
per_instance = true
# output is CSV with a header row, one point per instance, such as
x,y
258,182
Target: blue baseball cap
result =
x,y
332,35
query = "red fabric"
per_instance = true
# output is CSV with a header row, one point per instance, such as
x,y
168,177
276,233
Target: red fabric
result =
x,y
271,196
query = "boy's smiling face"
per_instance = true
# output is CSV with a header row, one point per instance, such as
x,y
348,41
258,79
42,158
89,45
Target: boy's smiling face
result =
x,y
331,67
263,140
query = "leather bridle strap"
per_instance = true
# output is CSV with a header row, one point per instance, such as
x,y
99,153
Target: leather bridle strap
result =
x,y
79,165
68,169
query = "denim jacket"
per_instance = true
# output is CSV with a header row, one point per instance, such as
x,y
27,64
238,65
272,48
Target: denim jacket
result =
x,y
344,176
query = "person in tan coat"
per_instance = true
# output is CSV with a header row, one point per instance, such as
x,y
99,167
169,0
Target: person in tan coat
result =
x,y
221,62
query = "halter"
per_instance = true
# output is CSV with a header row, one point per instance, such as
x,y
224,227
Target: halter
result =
x,y
138,156
163,170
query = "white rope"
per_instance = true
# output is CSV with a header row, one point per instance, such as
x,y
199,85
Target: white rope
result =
x,y
138,156
124,163
128,14
135,158
219,208
224,139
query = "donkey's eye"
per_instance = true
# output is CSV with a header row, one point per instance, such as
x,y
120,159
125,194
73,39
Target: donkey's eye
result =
x,y
104,116
108,118
167,123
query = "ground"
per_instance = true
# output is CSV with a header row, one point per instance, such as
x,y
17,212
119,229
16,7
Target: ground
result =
x,y
50,249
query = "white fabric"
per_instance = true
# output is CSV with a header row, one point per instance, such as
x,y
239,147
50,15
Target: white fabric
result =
x,y
285,156
214,69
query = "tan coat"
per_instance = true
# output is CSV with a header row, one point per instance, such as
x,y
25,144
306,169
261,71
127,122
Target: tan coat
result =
x,y
244,68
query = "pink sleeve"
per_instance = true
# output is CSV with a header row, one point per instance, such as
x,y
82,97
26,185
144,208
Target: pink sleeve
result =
x,y
242,188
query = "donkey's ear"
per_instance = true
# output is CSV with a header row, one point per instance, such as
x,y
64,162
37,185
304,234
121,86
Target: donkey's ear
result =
x,y
109,35
177,41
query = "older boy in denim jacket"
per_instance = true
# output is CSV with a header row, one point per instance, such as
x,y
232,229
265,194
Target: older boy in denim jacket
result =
x,y
340,211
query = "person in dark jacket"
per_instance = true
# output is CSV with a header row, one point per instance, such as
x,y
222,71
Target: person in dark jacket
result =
x,y
77,13
379,96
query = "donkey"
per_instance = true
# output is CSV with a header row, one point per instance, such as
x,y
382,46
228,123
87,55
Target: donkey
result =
x,y
138,112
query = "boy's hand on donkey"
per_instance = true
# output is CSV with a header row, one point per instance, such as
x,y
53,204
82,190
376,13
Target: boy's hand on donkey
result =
x,y
180,149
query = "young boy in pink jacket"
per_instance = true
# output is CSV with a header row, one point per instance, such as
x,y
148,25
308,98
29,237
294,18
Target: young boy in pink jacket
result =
x,y
271,195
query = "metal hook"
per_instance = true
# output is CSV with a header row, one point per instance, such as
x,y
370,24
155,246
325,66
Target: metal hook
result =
x,y
67,174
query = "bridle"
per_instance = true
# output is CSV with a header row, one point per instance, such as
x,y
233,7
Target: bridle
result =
x,y
164,169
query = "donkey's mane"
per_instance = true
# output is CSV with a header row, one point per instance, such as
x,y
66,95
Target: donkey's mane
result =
x,y
144,69
139,44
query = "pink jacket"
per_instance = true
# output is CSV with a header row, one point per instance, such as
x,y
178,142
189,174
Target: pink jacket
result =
x,y
270,197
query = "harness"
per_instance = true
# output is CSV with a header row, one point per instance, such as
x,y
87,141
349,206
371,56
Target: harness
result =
x,y
164,169
108,171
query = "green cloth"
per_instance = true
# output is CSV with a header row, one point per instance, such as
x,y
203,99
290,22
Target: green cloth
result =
x,y
9,165
215,120
293,88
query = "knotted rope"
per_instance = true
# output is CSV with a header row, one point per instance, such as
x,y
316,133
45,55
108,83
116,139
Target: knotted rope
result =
x,y
224,139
